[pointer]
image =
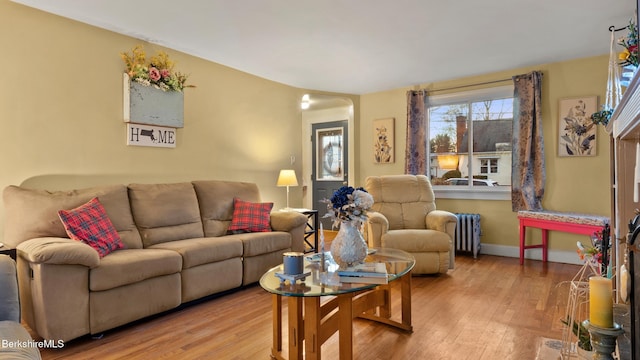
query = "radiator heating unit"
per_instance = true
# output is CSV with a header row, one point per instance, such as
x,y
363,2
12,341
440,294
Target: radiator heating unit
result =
x,y
467,236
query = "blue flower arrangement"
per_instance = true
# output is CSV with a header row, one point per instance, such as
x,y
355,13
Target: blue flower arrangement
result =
x,y
349,204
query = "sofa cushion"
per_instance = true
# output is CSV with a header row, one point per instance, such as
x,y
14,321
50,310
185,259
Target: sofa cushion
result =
x,y
216,202
131,266
165,212
31,213
89,224
200,251
250,217
259,243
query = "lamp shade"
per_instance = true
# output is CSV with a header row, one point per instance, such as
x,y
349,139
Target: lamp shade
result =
x,y
287,178
448,162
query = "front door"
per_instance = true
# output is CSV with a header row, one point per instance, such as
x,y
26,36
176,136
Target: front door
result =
x,y
329,166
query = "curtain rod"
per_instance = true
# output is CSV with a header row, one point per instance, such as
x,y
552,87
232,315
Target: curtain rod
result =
x,y
469,85
613,28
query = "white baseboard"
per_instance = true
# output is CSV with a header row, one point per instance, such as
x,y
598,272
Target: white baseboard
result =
x,y
566,257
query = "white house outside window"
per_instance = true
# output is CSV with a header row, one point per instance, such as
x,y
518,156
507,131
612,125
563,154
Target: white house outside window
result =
x,y
470,137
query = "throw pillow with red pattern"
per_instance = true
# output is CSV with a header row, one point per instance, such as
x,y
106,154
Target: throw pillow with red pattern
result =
x,y
250,217
90,224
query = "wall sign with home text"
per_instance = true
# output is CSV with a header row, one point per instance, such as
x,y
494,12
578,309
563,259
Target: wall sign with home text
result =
x,y
150,135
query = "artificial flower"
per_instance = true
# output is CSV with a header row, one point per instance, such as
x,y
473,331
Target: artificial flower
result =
x,y
349,204
158,72
629,56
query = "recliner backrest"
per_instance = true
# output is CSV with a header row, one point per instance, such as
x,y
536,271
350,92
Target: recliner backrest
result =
x,y
404,200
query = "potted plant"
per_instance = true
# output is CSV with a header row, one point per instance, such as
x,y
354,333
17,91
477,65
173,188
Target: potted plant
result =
x,y
585,350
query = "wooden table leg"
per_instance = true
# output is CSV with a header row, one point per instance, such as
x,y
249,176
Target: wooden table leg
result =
x,y
345,325
276,306
385,310
405,289
312,321
296,330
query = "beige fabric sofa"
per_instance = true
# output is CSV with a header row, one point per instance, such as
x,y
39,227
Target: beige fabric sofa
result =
x,y
404,217
177,250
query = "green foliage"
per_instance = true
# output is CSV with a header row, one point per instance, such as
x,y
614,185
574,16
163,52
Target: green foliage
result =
x,y
451,174
579,330
603,116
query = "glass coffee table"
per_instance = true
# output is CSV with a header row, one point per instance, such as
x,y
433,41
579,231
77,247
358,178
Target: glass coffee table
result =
x,y
319,305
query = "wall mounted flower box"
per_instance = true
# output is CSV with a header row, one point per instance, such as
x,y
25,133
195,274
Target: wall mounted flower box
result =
x,y
152,106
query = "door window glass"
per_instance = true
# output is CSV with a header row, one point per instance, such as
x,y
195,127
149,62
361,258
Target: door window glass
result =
x,y
330,154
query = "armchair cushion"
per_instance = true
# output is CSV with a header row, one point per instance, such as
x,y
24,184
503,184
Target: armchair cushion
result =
x,y
412,240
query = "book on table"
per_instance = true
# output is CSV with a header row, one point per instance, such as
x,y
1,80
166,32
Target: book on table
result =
x,y
367,273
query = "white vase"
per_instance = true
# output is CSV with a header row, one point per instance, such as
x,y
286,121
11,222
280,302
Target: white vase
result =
x,y
348,248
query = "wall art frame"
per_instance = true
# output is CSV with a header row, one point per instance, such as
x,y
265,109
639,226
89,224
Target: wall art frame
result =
x,y
384,141
576,131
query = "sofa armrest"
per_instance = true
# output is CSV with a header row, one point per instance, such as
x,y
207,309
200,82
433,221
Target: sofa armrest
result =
x,y
59,251
377,225
287,220
292,222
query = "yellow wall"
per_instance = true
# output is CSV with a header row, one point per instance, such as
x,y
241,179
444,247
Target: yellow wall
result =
x,y
61,114
579,184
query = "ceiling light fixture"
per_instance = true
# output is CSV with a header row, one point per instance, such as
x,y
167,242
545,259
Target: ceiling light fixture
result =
x,y
304,105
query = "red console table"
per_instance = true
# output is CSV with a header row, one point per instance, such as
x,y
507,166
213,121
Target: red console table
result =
x,y
584,224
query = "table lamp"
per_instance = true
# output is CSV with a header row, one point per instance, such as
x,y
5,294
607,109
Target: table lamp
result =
x,y
287,178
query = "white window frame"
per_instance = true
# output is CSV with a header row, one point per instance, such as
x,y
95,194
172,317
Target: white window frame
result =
x,y
469,192
489,166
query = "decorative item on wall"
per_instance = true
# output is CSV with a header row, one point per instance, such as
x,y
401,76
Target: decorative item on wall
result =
x,y
153,90
150,135
576,129
384,141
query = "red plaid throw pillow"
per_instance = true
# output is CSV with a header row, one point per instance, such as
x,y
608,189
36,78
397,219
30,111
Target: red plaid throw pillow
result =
x,y
250,217
90,224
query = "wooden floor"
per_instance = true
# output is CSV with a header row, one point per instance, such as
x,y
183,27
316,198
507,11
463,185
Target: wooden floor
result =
x,y
489,308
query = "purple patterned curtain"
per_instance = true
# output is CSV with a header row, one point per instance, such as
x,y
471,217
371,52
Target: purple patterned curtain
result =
x,y
527,162
416,152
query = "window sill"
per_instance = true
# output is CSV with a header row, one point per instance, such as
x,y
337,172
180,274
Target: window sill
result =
x,y
476,193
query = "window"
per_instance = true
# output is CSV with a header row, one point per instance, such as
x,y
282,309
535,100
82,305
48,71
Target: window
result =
x,y
488,166
470,137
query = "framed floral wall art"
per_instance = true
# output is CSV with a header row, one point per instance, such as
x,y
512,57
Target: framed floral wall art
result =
x,y
383,141
576,130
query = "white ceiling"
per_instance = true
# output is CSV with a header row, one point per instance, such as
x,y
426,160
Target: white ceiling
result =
x,y
362,46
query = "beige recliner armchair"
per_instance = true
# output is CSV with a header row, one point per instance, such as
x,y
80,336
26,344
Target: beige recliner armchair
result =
x,y
404,217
